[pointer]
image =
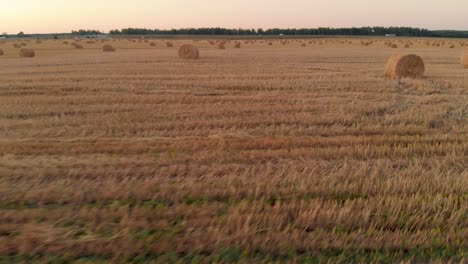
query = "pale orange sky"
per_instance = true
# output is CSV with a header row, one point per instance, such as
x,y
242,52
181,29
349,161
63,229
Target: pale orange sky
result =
x,y
50,16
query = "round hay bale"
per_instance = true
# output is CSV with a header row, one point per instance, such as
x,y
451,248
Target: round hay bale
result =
x,y
1,52
16,45
221,46
464,60
169,44
153,44
108,48
65,42
404,66
188,52
77,46
394,46
27,53
237,45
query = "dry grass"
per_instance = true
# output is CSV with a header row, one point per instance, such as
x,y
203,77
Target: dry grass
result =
x,y
260,154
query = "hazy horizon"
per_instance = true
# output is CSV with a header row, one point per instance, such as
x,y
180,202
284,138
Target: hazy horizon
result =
x,y
55,16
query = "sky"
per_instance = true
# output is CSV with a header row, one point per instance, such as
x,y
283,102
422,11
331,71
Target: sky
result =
x,y
51,16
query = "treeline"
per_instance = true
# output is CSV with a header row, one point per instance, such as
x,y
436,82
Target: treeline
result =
x,y
323,31
362,31
83,32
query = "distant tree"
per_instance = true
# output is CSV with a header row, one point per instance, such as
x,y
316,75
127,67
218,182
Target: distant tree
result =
x,y
115,32
82,32
21,34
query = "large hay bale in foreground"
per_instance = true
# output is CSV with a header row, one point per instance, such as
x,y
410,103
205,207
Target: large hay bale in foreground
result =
x,y
404,66
27,53
108,48
464,60
188,52
1,52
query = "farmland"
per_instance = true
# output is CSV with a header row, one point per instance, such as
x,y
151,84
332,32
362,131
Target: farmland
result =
x,y
296,151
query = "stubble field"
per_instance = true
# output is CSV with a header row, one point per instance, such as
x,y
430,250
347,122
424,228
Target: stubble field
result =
x,y
264,153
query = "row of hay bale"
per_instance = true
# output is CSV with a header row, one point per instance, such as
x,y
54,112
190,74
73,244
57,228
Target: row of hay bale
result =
x,y
186,51
23,52
398,66
411,66
30,53
365,42
221,44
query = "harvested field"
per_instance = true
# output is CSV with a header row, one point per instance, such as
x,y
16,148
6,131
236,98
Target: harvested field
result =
x,y
265,153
